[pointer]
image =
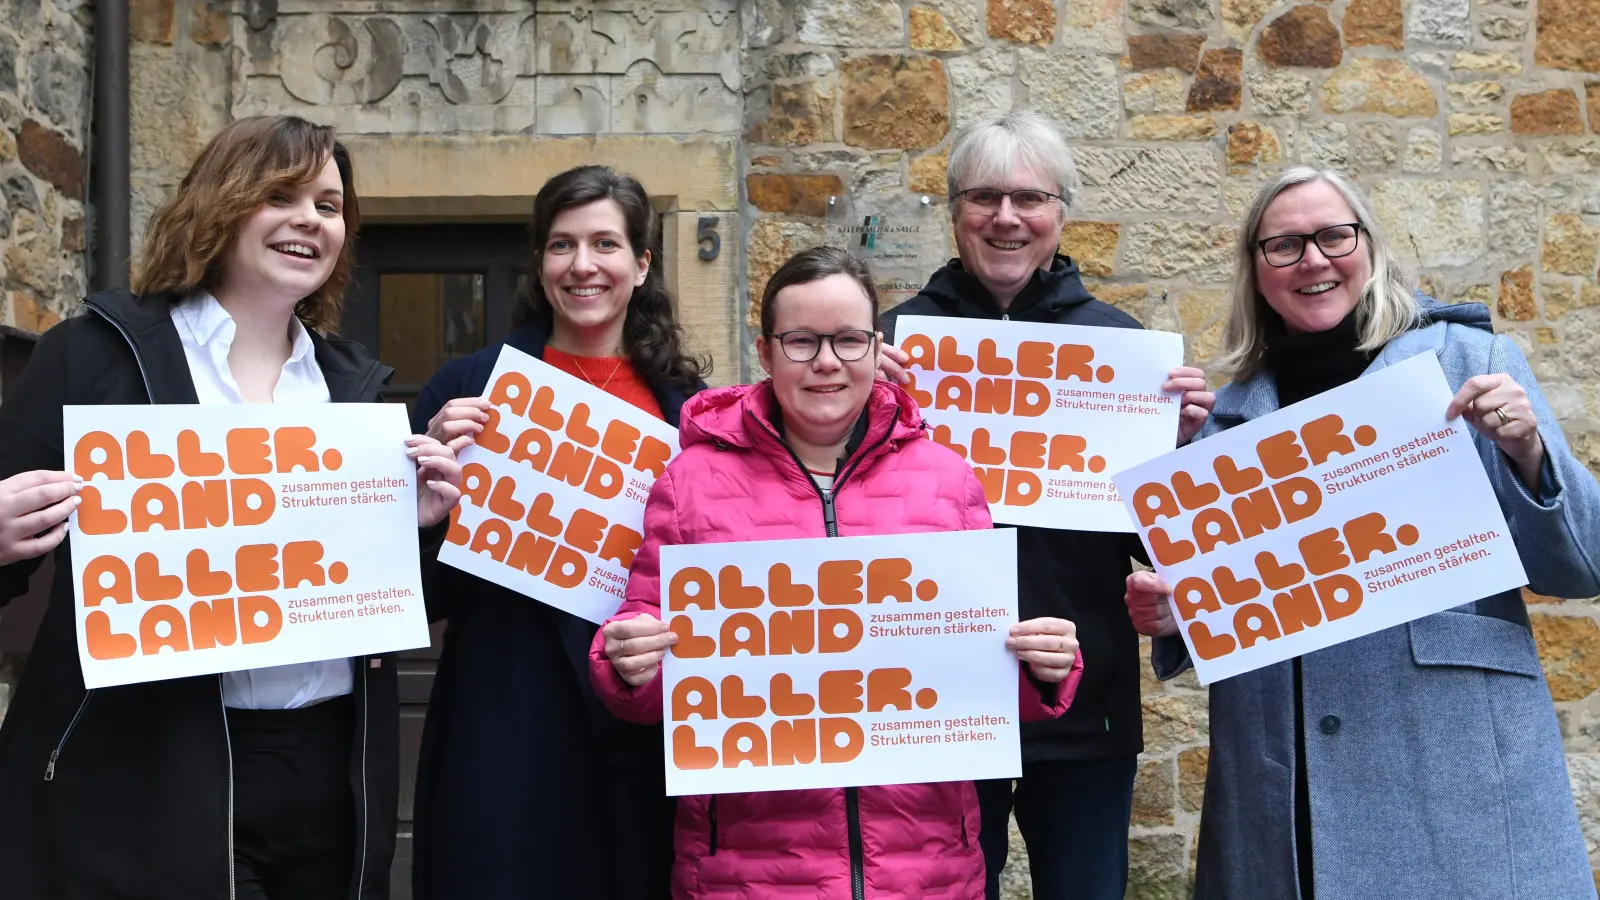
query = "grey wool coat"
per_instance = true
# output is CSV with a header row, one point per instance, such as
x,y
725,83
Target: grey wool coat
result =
x,y
1433,758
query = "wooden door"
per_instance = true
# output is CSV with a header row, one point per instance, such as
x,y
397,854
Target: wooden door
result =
x,y
421,296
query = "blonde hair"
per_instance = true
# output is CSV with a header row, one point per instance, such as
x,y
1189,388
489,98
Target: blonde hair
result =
x,y
1386,310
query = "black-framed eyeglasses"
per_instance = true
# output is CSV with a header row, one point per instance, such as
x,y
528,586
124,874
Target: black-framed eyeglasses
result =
x,y
1334,241
803,346
1027,202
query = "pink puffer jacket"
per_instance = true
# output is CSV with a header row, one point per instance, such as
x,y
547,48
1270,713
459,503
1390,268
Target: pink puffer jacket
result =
x,y
736,481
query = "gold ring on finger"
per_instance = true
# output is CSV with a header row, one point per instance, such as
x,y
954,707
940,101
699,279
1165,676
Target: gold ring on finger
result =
x,y
1500,413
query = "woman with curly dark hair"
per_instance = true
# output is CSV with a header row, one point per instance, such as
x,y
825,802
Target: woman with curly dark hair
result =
x,y
523,774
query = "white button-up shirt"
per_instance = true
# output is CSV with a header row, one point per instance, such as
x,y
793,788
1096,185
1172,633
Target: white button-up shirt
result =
x,y
207,330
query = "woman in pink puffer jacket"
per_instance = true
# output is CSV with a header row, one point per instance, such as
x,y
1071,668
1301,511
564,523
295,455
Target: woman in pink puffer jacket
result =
x,y
822,449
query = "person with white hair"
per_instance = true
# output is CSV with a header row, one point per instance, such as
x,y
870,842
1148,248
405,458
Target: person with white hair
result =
x,y
1422,760
1011,182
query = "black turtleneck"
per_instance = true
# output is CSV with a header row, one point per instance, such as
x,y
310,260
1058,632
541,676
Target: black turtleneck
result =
x,y
1305,365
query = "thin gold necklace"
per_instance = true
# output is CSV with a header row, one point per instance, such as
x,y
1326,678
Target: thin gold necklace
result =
x,y
615,369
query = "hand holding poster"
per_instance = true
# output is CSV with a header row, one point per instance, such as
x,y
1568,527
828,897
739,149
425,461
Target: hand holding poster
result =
x,y
1045,413
1353,511
218,538
833,662
553,489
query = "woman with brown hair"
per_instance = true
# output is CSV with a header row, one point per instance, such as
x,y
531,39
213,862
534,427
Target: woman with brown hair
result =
x,y
268,783
527,787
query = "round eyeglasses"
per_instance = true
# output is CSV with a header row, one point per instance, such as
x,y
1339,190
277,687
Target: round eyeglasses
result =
x,y
1028,203
803,346
1333,242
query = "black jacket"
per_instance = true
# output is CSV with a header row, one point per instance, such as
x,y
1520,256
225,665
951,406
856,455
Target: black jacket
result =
x,y
1076,575
127,791
527,787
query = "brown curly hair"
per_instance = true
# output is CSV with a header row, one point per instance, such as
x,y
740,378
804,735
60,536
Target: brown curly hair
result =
x,y
239,170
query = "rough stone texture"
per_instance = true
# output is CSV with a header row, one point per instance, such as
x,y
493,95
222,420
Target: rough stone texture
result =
x,y
1095,25
1381,86
1487,62
1155,92
894,101
1172,128
980,84
1153,791
1171,13
1475,95
1217,83
800,195
1280,94
1547,112
1250,143
850,23
1192,777
928,173
1497,27
1239,17
930,30
1569,647
1092,245
1568,35
1513,220
1303,37
796,114
1490,159
1432,223
1374,23
1165,51
1562,297
1156,867
770,243
1516,295
1591,101
964,17
1079,92
150,21
1569,245
1169,249
51,156
1424,150
1445,22
1023,21
1475,123
1148,179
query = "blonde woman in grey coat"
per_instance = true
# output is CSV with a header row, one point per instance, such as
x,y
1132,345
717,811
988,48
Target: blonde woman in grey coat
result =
x,y
1422,761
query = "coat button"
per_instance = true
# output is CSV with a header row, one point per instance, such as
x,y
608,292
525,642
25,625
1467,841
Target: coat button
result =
x,y
1330,724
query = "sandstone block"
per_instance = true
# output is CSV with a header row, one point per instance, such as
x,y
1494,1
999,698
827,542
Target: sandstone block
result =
x,y
1171,13
1172,128
930,30
1155,92
150,21
1239,17
1490,159
1280,94
1217,82
1374,23
1568,35
1154,790
1174,720
800,195
1561,298
1591,95
1250,143
29,314
1569,245
1432,223
1079,92
1372,148
1149,179
1173,249
72,235
797,114
1576,158
208,23
60,88
1303,37
1204,315
1095,25
1157,868
850,23
1092,245
895,101
51,156
1023,21
1516,298
1165,51
1474,94
1386,87
1546,112
1497,27
1493,62
963,16
980,84
1569,647
1192,777
1513,219
33,262
772,242
1424,150
928,173
1445,22
1475,123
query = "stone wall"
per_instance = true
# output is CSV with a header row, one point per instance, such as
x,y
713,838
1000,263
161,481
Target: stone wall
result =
x,y
44,113
1476,128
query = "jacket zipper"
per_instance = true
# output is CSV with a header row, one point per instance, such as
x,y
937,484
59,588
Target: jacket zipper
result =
x,y
964,828
143,375
830,522
711,812
50,767
361,877
227,739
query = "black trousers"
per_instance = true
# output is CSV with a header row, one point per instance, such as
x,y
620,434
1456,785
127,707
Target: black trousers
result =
x,y
294,813
1074,820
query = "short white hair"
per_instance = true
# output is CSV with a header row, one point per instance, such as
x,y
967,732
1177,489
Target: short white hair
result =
x,y
986,152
